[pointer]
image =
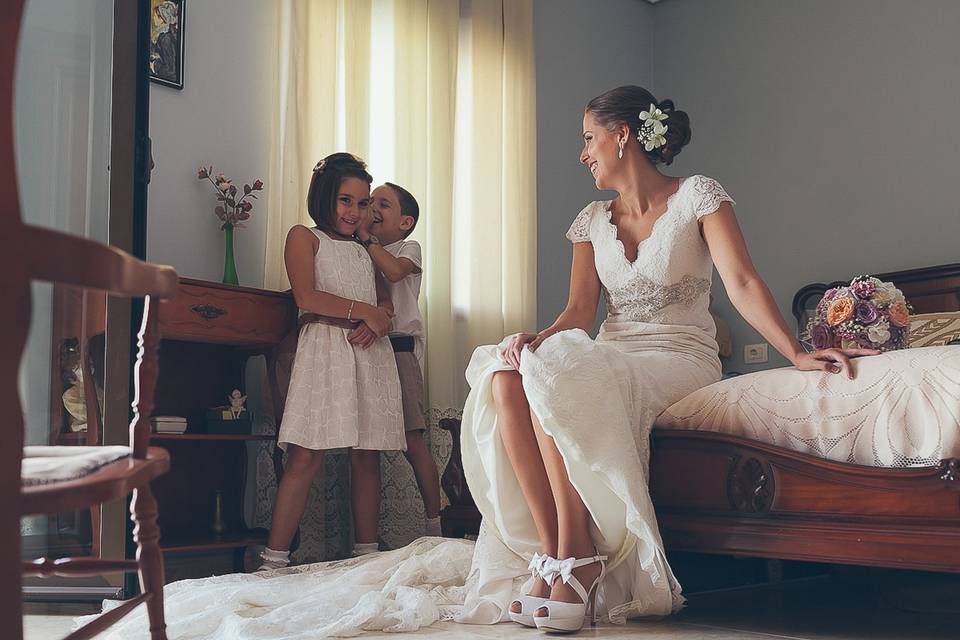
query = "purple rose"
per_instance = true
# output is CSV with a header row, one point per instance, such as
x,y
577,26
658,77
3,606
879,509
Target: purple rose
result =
x,y
866,313
863,289
821,337
829,294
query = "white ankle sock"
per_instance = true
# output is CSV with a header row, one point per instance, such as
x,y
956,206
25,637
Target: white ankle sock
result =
x,y
273,559
362,549
432,527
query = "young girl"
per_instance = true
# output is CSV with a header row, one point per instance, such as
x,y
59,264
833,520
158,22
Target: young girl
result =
x,y
344,390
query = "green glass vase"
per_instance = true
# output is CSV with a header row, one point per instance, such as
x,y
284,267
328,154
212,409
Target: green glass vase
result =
x,y
229,266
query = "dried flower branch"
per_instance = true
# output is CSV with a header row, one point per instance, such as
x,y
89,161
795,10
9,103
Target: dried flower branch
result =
x,y
231,210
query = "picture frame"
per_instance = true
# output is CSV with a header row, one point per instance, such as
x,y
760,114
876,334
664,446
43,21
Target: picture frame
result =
x,y
167,19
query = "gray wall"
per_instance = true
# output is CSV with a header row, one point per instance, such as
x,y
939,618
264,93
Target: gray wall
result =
x,y
582,49
833,124
221,117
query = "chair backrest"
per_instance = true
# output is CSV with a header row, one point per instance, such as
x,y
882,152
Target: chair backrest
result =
x,y
64,259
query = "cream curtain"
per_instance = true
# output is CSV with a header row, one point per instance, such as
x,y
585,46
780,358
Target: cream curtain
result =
x,y
437,96
310,119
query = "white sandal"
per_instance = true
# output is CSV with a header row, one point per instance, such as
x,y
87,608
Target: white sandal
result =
x,y
528,603
568,616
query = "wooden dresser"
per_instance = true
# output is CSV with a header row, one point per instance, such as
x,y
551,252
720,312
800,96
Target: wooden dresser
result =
x,y
208,332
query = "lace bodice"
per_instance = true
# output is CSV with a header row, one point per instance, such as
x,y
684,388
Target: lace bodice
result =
x,y
669,282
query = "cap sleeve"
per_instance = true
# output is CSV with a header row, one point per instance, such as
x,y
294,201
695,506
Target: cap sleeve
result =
x,y
580,229
709,195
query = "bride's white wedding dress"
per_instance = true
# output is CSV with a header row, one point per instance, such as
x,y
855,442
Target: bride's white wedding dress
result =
x,y
598,399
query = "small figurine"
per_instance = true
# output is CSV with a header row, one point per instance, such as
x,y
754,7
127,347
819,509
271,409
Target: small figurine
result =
x,y
236,403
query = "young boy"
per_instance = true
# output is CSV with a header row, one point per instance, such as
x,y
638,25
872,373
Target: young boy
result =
x,y
393,215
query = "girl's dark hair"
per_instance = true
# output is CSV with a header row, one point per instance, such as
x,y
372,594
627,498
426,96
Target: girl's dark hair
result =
x,y
408,205
325,184
623,106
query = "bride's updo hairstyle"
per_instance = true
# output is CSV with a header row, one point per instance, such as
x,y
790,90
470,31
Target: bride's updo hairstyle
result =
x,y
623,106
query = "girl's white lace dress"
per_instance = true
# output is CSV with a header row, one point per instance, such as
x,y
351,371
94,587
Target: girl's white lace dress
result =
x,y
597,398
339,395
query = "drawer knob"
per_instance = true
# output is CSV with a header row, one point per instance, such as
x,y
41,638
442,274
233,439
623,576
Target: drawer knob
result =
x,y
208,311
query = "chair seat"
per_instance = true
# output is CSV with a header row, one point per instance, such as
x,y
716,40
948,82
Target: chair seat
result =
x,y
42,465
103,476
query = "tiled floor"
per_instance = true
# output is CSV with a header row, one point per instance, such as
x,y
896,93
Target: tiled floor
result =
x,y
818,609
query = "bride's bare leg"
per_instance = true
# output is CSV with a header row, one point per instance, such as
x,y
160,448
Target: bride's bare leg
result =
x,y
516,431
572,516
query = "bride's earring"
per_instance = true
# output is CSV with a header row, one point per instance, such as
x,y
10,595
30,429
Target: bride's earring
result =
x,y
620,152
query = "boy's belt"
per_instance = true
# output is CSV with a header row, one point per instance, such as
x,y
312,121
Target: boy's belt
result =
x,y
402,344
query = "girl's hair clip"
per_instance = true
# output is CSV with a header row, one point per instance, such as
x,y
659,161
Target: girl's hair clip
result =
x,y
320,165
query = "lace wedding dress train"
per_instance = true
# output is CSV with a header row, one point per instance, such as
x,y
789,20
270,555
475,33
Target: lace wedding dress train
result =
x,y
598,399
399,590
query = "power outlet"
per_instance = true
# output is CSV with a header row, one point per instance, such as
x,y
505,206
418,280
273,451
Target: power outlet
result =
x,y
755,353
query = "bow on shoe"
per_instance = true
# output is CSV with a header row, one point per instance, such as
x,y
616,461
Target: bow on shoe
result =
x,y
536,564
563,568
539,567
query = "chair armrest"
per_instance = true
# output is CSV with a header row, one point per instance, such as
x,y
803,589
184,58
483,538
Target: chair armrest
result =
x,y
59,257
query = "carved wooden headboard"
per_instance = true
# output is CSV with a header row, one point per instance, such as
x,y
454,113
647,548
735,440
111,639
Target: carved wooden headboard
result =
x,y
929,290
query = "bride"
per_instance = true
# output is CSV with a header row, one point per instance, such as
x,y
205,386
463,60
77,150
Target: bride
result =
x,y
556,428
564,420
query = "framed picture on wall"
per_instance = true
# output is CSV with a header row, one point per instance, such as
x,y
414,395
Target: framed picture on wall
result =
x,y
166,42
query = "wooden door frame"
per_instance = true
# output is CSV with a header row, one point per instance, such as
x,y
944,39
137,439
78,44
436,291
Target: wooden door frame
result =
x,y
130,168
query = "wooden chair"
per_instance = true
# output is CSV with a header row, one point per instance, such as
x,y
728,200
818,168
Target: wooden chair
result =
x,y
35,254
56,257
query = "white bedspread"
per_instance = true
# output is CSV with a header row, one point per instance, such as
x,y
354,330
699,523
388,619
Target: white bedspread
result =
x,y
902,410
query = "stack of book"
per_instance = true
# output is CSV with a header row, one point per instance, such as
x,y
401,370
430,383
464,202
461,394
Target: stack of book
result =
x,y
169,424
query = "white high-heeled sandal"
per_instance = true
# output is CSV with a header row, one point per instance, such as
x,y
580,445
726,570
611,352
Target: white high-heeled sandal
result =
x,y
528,603
568,616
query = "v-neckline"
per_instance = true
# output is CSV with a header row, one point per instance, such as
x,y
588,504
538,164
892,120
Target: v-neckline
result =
x,y
653,227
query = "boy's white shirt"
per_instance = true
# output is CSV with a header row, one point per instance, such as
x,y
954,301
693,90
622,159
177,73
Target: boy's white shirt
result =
x,y
405,295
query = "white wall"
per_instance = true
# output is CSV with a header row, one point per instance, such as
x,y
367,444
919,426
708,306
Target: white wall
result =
x,y
582,49
833,124
221,117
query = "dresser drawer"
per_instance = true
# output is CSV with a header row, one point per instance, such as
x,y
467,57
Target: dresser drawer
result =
x,y
209,312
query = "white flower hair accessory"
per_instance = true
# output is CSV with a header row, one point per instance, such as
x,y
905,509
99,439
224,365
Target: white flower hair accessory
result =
x,y
320,165
651,132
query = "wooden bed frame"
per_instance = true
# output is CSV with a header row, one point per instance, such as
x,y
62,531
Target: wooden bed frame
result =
x,y
722,494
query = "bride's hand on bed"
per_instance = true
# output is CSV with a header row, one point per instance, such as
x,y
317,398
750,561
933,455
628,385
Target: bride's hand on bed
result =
x,y
832,360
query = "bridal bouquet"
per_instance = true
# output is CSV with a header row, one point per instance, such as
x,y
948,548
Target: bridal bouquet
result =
x,y
868,313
